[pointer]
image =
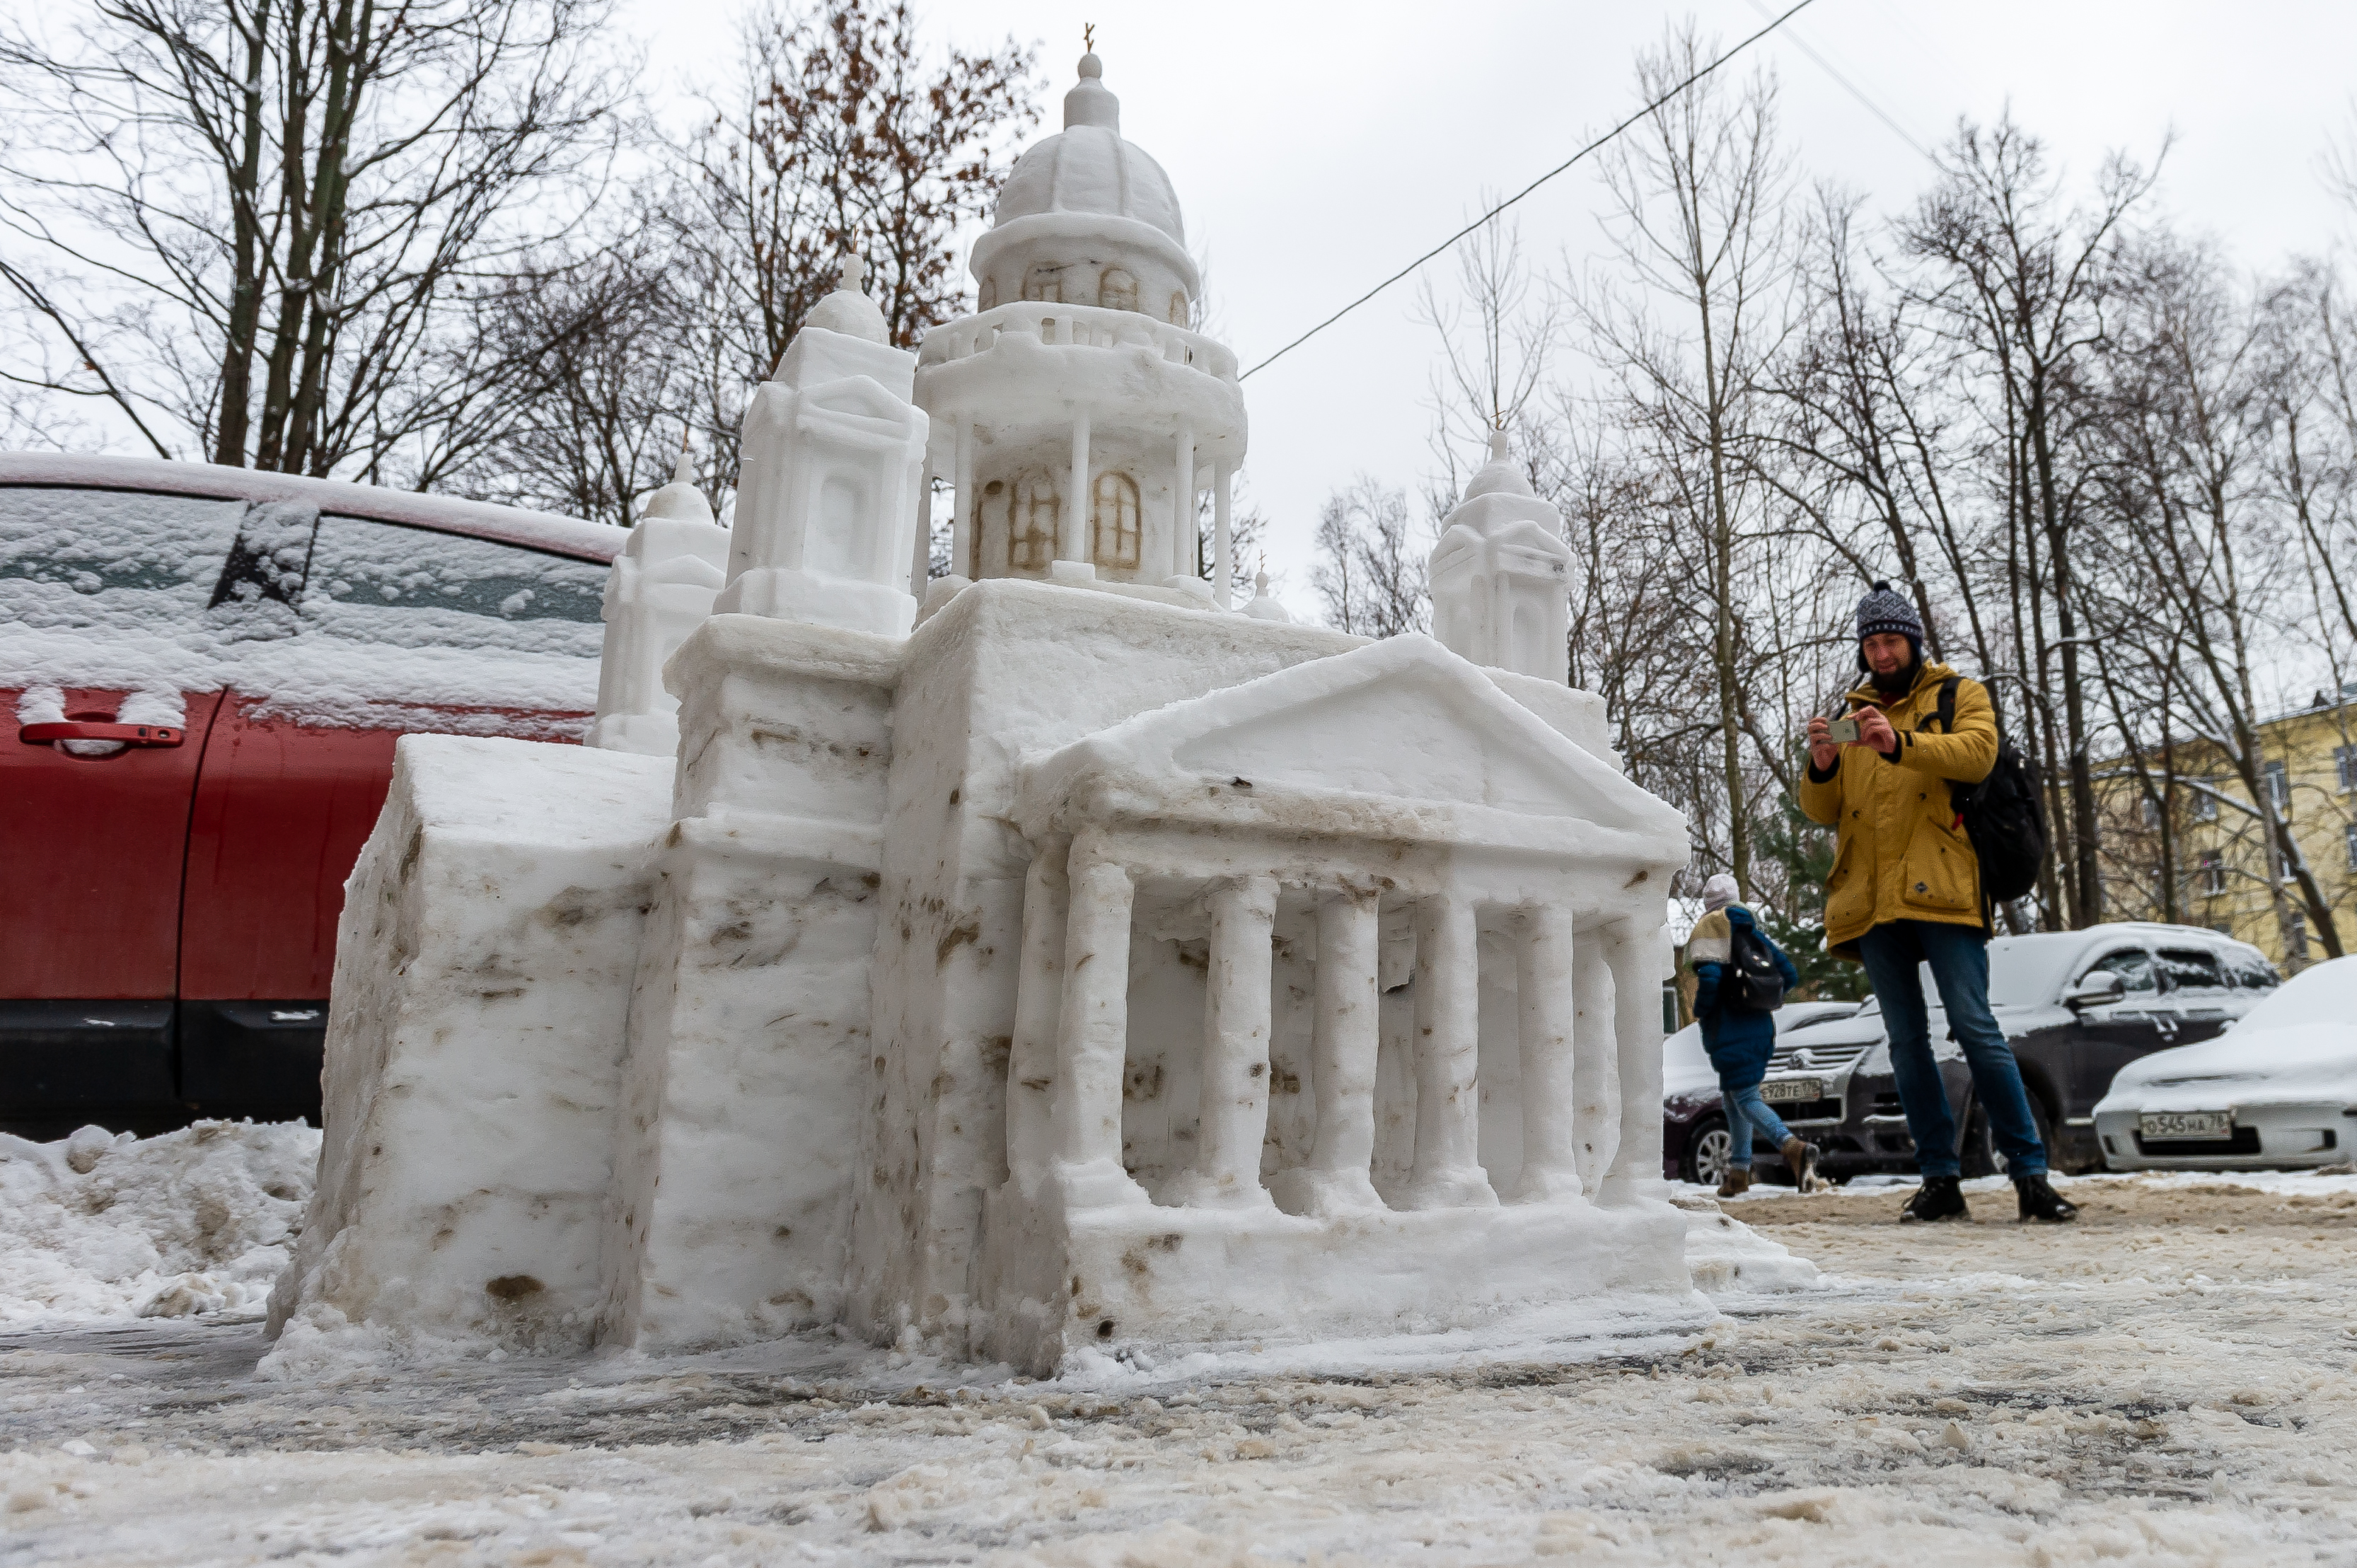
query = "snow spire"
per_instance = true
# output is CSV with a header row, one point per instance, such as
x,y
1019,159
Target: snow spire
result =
x,y
848,310
1091,102
1498,444
680,498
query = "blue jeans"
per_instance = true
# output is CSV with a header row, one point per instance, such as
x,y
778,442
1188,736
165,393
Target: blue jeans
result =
x,y
1959,958
1747,1114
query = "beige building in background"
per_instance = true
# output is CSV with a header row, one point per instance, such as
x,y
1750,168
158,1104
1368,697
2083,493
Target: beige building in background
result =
x,y
2219,856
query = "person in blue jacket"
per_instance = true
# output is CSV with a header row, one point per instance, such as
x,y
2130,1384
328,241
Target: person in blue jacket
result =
x,y
1741,1041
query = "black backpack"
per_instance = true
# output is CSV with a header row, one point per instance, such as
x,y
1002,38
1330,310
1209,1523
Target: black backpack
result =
x,y
1751,983
2004,814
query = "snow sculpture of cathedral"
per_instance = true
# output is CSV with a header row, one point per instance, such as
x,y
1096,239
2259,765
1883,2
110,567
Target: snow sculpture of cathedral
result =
x,y
1087,966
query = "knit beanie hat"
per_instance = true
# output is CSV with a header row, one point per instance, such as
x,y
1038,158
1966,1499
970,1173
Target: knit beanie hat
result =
x,y
1719,893
1885,609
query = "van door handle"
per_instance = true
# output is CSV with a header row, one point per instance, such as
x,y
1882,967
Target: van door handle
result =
x,y
88,729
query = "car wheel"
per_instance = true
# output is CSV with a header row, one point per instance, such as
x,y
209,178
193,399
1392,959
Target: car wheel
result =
x,y
1704,1162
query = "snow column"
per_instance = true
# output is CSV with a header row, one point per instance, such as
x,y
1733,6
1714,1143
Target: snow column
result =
x,y
1633,953
1074,546
1223,547
1234,1121
1594,1066
1544,967
1032,1059
1343,1052
1093,1033
1448,1171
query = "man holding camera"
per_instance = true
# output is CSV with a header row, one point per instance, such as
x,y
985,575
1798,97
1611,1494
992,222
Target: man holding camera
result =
x,y
1905,894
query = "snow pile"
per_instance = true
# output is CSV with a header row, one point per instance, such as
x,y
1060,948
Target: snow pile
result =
x,y
194,1222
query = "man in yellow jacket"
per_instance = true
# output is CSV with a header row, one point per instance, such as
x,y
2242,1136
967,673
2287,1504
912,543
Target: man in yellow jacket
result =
x,y
1905,892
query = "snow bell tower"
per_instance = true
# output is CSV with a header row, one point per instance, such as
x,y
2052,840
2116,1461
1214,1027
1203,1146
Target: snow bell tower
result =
x,y
1501,574
828,488
1077,417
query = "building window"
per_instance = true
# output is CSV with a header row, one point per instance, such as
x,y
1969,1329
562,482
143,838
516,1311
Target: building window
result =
x,y
1032,524
2348,839
2205,804
1117,289
2297,935
2213,873
2278,783
1044,284
1112,515
1179,307
2344,767
2151,812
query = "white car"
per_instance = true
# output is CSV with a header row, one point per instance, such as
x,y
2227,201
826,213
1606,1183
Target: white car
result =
x,y
2277,1089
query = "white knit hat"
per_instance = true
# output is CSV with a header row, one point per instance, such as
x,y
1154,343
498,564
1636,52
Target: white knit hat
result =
x,y
1718,892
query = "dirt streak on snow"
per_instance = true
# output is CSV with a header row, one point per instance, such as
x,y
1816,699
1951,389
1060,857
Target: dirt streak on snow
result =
x,y
2165,1383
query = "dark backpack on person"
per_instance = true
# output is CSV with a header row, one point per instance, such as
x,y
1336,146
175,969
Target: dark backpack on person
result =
x,y
2004,814
1751,983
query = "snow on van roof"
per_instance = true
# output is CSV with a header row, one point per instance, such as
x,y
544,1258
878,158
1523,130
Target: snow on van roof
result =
x,y
547,531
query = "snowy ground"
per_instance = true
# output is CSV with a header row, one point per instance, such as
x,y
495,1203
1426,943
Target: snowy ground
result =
x,y
2166,1381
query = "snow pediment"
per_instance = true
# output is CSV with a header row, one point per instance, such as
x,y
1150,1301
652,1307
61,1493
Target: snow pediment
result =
x,y
1519,543
1404,721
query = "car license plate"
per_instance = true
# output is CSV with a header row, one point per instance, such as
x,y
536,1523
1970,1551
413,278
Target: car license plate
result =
x,y
2186,1123
1793,1089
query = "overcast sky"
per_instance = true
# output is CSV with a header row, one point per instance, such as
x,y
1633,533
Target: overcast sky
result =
x,y
1317,148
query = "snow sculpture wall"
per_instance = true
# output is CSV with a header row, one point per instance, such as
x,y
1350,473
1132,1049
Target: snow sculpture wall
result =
x,y
1500,575
1088,969
659,589
827,499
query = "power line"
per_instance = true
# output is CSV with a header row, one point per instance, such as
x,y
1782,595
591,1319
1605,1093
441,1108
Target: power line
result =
x,y
1542,179
1846,86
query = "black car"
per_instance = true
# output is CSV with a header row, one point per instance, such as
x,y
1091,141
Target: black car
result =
x,y
2076,1006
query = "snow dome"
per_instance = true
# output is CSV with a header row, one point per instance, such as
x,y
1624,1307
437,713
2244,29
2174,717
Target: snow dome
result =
x,y
1086,217
1079,966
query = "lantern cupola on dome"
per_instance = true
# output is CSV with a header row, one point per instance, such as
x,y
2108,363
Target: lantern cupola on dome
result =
x,y
1086,217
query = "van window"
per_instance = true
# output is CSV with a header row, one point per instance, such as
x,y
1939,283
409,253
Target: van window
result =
x,y
110,560
2191,969
2249,971
2132,965
379,582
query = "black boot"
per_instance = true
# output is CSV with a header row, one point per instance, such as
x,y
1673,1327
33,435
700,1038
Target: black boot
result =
x,y
2040,1201
1940,1198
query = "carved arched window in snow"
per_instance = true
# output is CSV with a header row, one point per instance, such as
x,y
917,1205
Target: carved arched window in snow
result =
x,y
1044,284
1117,289
1032,524
1113,514
833,544
1179,307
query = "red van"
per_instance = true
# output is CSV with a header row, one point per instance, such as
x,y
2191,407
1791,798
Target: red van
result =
x,y
207,669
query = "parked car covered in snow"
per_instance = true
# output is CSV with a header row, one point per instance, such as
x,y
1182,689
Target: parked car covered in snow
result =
x,y
2077,1007
208,667
2278,1088
1694,1128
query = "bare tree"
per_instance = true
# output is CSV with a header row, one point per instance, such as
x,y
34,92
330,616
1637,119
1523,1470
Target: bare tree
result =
x,y
2019,277
246,223
1698,197
843,133
1370,574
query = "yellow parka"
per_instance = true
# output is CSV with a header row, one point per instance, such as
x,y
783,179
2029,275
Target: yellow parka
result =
x,y
1901,851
